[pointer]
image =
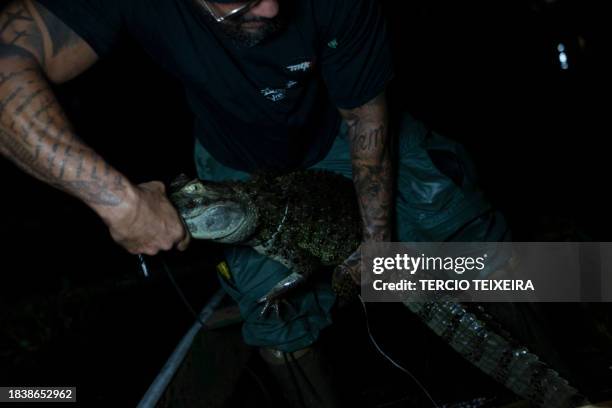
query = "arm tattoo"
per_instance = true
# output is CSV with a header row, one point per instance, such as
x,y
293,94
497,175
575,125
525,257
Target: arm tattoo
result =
x,y
34,132
29,26
368,141
61,35
18,28
372,170
105,192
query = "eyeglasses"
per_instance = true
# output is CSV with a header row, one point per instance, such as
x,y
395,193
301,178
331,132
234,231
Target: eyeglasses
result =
x,y
220,17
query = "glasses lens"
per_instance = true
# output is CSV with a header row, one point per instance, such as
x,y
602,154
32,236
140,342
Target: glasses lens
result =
x,y
224,11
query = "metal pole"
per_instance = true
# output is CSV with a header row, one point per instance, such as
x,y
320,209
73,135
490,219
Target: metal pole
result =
x,y
161,382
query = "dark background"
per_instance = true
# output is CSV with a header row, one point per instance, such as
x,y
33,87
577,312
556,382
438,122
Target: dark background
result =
x,y
486,73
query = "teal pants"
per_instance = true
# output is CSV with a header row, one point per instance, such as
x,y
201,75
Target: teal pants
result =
x,y
436,200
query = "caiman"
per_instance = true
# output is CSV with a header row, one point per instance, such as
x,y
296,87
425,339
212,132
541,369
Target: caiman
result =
x,y
309,219
305,220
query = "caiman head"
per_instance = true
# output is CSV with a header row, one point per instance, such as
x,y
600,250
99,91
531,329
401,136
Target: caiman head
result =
x,y
214,211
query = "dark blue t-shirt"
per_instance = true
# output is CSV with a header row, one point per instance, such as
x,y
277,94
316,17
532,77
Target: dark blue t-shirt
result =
x,y
273,105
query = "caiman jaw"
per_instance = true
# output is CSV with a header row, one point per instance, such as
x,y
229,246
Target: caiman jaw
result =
x,y
240,234
227,222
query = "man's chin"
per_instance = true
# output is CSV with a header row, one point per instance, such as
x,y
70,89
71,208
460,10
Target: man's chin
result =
x,y
251,35
253,26
248,38
247,34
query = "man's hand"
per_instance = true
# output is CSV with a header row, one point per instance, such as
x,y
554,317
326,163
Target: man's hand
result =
x,y
147,222
350,268
347,277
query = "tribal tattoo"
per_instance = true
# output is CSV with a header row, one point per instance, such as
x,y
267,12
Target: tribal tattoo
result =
x,y
61,36
17,27
34,131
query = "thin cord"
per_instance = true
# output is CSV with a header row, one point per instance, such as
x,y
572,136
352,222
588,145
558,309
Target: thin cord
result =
x,y
296,384
260,384
365,311
181,294
417,382
300,370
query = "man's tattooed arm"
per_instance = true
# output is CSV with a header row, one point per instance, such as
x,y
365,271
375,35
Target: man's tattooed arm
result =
x,y
36,47
372,169
34,132
373,178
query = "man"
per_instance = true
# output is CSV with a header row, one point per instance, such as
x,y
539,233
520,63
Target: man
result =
x,y
274,85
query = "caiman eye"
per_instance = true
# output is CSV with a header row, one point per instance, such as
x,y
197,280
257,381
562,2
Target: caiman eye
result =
x,y
193,188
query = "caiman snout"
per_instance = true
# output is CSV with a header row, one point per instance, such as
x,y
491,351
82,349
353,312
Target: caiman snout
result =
x,y
212,211
216,222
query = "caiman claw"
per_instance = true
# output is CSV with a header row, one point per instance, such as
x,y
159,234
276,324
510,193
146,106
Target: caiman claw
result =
x,y
274,297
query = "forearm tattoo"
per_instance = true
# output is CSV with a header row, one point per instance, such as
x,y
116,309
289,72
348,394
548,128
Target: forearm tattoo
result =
x,y
34,132
372,169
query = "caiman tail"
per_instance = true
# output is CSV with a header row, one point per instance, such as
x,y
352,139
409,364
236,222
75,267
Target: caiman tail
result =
x,y
497,355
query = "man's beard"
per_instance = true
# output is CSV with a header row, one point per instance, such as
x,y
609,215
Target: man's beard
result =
x,y
244,38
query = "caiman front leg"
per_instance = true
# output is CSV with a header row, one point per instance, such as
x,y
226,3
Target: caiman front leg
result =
x,y
302,265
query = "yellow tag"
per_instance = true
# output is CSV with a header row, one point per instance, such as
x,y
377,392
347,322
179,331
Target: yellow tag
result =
x,y
224,270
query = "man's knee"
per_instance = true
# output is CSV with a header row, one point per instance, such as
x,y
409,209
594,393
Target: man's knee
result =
x,y
437,195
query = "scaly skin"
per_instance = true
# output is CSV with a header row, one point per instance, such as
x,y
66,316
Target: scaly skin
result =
x,y
322,227
316,211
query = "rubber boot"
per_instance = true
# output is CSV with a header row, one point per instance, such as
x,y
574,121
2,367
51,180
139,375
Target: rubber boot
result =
x,y
303,376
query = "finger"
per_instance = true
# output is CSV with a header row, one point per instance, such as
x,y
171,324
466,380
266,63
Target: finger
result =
x,y
149,251
166,246
184,244
355,274
156,186
133,251
346,269
354,260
